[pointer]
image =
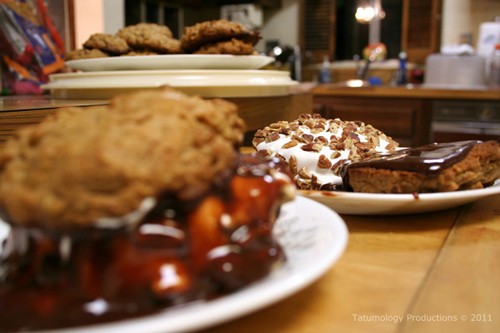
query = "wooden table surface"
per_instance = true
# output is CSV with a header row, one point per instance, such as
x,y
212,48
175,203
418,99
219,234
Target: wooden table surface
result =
x,y
432,272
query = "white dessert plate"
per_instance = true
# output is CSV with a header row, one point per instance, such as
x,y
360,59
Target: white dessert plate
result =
x,y
313,237
171,61
397,204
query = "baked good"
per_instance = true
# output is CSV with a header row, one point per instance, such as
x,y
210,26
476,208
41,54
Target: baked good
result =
x,y
107,43
143,52
233,46
123,210
210,32
112,182
315,148
85,54
438,167
151,36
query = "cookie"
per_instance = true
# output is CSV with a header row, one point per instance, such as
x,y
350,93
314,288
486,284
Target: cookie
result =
x,y
151,36
85,54
207,32
315,148
81,166
144,52
233,46
438,167
108,43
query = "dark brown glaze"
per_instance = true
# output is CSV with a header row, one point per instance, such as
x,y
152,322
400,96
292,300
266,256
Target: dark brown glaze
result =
x,y
179,252
429,159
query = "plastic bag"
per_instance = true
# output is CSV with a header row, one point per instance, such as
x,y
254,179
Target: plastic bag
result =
x,y
27,44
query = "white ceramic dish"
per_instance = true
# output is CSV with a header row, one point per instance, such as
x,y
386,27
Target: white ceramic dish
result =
x,y
206,83
396,204
313,237
171,61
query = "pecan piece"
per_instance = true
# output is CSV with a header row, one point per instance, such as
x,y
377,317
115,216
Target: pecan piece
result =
x,y
290,144
314,147
292,162
304,173
308,137
272,137
322,140
324,162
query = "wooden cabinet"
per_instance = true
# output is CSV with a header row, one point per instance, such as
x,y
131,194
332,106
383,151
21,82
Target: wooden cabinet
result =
x,y
421,31
406,120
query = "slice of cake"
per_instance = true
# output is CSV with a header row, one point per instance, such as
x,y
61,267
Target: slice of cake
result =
x,y
438,167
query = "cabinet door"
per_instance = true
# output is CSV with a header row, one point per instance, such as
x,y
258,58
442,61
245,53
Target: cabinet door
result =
x,y
421,31
318,28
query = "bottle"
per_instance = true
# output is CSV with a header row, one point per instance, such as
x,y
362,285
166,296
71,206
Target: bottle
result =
x,y
325,75
402,68
494,79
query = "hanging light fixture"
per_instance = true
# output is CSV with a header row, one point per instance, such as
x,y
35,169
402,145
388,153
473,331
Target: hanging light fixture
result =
x,y
367,10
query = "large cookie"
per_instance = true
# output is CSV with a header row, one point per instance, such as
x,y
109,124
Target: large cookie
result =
x,y
217,30
82,165
107,43
151,36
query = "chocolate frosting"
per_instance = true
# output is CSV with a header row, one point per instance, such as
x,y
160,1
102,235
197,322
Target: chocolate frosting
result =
x,y
429,160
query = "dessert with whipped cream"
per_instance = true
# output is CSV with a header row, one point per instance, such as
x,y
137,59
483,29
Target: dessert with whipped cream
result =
x,y
315,148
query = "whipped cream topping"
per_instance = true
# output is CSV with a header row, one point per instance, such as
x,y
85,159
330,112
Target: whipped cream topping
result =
x,y
315,147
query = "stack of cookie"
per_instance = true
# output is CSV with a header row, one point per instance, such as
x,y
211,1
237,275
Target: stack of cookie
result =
x,y
210,37
139,39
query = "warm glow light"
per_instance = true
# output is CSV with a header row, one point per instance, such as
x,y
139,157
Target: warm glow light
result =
x,y
365,14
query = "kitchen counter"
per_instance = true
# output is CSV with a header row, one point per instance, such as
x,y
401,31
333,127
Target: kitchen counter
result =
x,y
407,113
432,272
407,91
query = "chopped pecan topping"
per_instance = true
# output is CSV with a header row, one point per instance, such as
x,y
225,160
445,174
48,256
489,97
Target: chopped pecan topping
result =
x,y
290,144
292,162
272,137
336,167
265,153
324,162
304,173
335,154
308,137
314,147
322,140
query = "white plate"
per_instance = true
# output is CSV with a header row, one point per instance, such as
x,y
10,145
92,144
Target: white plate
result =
x,y
313,237
395,204
206,83
171,61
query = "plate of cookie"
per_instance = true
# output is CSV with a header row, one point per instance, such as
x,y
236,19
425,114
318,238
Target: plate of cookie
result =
x,y
171,61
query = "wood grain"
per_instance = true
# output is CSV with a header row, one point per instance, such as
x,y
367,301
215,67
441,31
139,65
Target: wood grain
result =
x,y
464,282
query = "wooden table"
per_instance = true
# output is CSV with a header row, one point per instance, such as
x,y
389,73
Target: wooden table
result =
x,y
433,272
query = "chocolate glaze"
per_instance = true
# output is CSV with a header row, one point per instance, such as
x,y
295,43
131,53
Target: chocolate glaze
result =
x,y
429,160
180,252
